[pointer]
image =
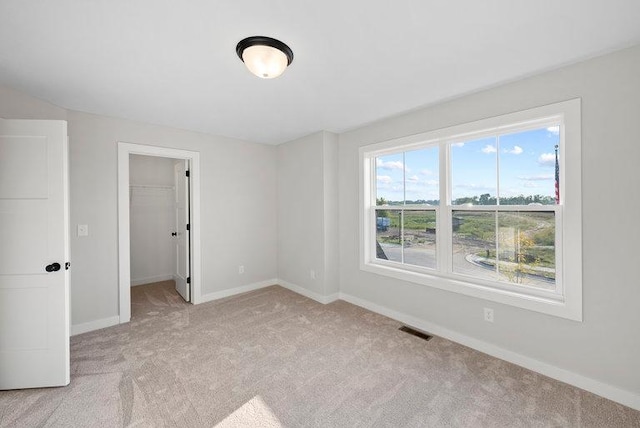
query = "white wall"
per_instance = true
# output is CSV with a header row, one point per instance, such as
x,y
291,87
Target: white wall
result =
x,y
606,346
307,215
152,218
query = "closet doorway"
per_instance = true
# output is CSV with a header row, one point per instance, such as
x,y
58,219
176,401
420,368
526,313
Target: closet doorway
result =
x,y
158,218
159,221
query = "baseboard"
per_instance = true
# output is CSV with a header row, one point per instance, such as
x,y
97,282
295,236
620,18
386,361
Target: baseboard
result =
x,y
150,279
602,389
307,293
94,325
236,290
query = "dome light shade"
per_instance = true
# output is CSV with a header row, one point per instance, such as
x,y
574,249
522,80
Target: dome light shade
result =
x,y
265,57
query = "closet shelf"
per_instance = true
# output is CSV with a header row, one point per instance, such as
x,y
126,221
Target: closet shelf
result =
x,y
150,186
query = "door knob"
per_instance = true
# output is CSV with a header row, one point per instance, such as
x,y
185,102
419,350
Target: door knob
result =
x,y
174,233
53,267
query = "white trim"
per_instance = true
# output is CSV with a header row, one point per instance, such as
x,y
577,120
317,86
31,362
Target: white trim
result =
x,y
150,279
94,325
124,268
237,290
67,254
308,293
597,387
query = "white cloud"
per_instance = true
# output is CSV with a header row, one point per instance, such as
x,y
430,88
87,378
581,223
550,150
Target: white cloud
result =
x,y
421,184
516,150
384,179
489,149
555,130
426,172
547,159
389,165
473,186
541,177
414,195
413,179
530,185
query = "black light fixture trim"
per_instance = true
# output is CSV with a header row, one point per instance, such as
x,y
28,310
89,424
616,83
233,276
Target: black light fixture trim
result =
x,y
264,41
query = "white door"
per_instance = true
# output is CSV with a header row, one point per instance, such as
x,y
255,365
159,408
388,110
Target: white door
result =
x,y
34,248
183,244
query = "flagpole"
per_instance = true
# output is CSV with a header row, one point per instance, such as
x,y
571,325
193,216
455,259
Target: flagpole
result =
x,y
557,178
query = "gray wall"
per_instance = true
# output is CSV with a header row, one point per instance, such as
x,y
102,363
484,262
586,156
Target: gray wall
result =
x,y
330,220
16,105
606,346
307,213
238,208
300,212
151,171
238,202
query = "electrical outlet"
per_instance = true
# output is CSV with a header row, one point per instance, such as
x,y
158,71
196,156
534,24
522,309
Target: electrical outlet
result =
x,y
312,274
83,230
488,314
240,270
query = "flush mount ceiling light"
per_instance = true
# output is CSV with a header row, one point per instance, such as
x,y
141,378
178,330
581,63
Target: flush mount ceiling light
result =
x,y
265,57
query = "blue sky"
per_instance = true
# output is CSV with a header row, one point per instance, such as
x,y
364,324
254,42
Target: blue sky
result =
x,y
527,162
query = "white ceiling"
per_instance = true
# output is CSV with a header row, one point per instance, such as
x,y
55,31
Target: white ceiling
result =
x,y
173,62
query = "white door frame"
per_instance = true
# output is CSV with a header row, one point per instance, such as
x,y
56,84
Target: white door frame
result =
x,y
124,261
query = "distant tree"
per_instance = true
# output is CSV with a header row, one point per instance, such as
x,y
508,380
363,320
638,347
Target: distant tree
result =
x,y
424,202
466,200
486,199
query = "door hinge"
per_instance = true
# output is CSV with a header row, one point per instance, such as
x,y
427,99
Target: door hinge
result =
x,y
188,280
187,173
188,227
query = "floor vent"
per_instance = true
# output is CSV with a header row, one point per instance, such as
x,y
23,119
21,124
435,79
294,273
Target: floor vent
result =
x,y
415,332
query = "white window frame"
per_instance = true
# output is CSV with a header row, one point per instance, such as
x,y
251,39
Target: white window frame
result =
x,y
566,301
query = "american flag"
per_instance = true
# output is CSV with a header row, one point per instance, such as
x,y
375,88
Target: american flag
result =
x,y
557,178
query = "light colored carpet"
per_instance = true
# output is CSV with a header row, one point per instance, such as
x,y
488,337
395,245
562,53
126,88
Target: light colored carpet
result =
x,y
273,358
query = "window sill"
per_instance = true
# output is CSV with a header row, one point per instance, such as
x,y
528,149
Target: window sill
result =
x,y
546,305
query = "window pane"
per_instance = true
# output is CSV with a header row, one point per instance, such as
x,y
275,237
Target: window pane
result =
x,y
527,167
474,243
422,177
419,242
474,172
390,179
388,235
526,248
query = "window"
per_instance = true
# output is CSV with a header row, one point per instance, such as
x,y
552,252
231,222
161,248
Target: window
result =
x,y
489,209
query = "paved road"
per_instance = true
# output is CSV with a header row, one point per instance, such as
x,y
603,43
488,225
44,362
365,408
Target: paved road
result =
x,y
462,264
424,257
